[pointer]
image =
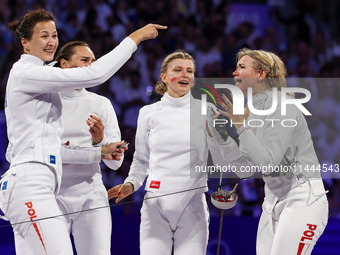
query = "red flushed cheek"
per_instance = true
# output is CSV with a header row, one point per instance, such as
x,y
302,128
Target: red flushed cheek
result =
x,y
173,78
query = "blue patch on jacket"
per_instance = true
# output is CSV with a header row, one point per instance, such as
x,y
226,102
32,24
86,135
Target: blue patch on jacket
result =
x,y
4,185
52,159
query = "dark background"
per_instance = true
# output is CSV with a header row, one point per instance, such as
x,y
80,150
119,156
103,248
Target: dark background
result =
x,y
304,33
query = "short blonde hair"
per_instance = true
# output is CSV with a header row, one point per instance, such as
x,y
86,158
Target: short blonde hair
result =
x,y
276,69
160,86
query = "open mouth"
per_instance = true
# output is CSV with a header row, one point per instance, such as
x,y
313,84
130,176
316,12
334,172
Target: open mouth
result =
x,y
183,82
49,51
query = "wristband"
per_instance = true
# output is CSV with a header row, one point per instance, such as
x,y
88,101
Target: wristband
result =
x,y
241,129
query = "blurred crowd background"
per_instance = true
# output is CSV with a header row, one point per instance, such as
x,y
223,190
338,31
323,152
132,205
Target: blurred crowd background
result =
x,y
304,33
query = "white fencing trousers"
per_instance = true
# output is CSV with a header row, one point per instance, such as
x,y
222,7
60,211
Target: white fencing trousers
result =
x,y
296,223
91,228
28,191
181,220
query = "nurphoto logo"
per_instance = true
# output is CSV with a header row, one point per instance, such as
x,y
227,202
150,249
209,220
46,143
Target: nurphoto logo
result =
x,y
238,100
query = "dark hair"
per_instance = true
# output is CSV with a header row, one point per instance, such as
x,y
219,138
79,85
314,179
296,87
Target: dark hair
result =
x,y
67,51
23,28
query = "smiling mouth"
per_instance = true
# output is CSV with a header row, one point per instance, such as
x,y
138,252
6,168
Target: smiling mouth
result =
x,y
183,82
49,51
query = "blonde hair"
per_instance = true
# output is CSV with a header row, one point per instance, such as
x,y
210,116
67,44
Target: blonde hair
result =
x,y
160,86
276,69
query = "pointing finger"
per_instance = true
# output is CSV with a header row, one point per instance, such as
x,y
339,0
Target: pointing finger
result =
x,y
159,26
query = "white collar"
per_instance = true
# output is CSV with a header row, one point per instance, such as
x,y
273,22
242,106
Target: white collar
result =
x,y
177,101
260,98
27,58
73,94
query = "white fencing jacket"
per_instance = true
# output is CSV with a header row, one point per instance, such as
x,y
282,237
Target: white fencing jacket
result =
x,y
273,144
78,105
82,176
33,105
171,140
